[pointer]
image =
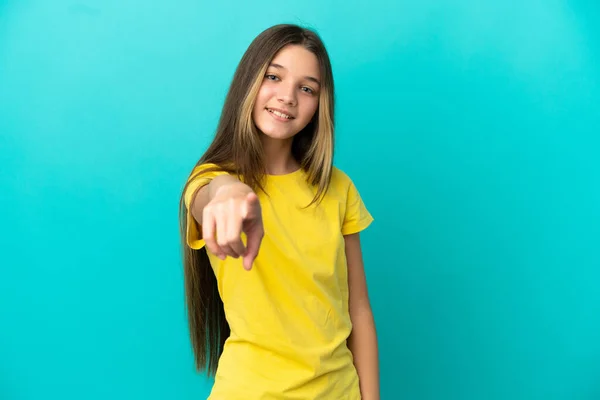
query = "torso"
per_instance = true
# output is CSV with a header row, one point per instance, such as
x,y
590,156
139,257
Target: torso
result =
x,y
289,315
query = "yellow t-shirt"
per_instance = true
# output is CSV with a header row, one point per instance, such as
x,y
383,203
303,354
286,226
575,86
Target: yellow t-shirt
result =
x,y
289,315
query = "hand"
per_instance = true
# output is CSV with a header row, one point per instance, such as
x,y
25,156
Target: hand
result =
x,y
234,209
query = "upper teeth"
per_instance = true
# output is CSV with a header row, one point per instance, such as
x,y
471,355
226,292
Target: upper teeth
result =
x,y
279,114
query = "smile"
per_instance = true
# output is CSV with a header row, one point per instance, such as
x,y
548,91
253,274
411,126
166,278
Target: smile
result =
x,y
280,114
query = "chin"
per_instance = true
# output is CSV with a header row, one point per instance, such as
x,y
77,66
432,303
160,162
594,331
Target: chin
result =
x,y
276,135
276,132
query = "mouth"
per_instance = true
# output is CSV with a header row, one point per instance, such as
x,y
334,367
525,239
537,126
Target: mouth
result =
x,y
279,114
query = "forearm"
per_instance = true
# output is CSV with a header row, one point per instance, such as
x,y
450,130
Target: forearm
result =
x,y
363,345
208,193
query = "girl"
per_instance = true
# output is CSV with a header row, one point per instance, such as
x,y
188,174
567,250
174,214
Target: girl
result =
x,y
275,286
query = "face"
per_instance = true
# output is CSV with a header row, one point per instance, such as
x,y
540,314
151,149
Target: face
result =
x,y
289,94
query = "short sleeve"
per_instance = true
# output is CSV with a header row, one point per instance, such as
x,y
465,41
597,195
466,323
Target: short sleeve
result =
x,y
200,176
356,217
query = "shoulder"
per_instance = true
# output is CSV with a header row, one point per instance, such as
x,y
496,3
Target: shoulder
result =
x,y
341,186
340,178
341,181
205,168
201,175
206,171
356,217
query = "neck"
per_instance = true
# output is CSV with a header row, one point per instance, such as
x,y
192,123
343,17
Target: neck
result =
x,y
278,156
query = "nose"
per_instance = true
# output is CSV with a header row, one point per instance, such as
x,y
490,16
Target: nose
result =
x,y
287,94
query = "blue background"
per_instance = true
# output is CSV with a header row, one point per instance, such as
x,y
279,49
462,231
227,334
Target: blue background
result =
x,y
470,127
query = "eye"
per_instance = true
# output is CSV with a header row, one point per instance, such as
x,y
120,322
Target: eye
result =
x,y
271,77
306,89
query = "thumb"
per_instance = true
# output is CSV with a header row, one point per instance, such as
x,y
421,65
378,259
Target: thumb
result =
x,y
250,205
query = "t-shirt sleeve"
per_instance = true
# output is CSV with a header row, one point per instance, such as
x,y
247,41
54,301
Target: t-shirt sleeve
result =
x,y
356,217
198,178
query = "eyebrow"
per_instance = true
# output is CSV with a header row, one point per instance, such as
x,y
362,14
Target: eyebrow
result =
x,y
310,78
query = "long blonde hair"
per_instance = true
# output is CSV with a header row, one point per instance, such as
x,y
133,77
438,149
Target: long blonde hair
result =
x,y
236,149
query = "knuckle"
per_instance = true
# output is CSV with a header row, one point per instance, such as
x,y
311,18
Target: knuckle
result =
x,y
231,238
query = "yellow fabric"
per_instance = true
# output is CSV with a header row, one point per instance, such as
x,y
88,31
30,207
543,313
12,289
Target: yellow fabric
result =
x,y
289,315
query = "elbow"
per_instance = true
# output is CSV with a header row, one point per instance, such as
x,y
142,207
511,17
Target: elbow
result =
x,y
360,310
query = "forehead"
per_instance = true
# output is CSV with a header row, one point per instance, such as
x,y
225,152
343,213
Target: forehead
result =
x,y
298,60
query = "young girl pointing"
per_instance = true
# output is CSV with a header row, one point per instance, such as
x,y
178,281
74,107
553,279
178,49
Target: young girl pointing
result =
x,y
275,286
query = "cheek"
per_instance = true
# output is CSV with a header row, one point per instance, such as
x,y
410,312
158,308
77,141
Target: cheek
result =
x,y
260,103
310,107
265,93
